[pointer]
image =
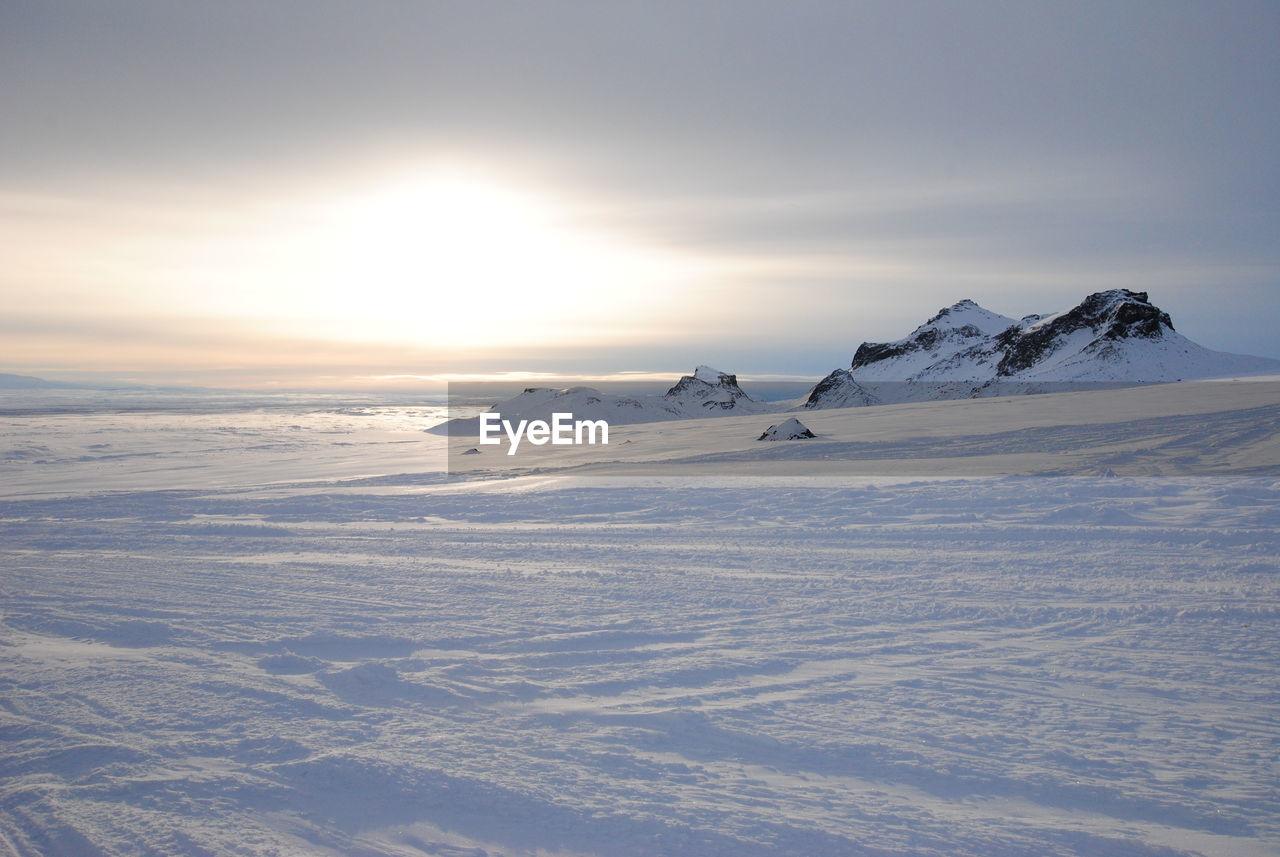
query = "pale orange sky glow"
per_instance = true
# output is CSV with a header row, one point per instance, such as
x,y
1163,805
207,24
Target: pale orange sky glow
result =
x,y
447,269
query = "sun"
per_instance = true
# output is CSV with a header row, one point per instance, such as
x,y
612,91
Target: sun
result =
x,y
465,261
449,259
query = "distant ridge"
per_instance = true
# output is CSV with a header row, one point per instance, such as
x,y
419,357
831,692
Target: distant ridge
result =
x,y
30,382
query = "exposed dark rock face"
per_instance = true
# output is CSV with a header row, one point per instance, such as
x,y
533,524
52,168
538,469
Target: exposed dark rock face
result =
x,y
1111,316
792,429
928,336
717,390
1111,337
839,390
874,352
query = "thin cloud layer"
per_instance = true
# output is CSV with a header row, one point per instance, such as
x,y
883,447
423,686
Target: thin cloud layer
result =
x,y
801,177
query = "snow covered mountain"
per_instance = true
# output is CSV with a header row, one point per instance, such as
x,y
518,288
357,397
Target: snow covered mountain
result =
x,y
839,390
954,345
707,392
1116,336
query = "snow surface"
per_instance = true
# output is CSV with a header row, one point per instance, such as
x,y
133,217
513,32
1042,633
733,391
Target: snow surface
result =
x,y
276,632
1171,358
1192,428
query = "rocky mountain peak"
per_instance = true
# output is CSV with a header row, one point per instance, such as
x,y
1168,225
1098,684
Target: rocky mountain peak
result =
x,y
958,308
1115,314
1113,336
966,317
1110,316
713,388
839,390
712,376
951,329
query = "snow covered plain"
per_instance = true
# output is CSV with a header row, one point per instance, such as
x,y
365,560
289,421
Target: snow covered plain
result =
x,y
287,632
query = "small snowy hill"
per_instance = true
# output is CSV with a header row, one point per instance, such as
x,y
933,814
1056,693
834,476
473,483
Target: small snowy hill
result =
x,y
707,392
1116,336
791,429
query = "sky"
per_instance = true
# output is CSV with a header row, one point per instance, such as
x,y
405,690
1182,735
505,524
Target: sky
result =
x,y
306,193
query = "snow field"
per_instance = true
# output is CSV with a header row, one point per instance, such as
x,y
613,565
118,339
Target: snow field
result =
x,y
403,665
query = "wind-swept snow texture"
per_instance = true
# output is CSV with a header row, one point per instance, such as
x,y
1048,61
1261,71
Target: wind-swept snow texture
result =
x,y
277,663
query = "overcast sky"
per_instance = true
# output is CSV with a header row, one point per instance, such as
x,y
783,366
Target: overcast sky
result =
x,y
314,192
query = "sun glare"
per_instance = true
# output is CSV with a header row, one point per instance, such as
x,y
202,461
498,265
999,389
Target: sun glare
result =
x,y
462,261
444,259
